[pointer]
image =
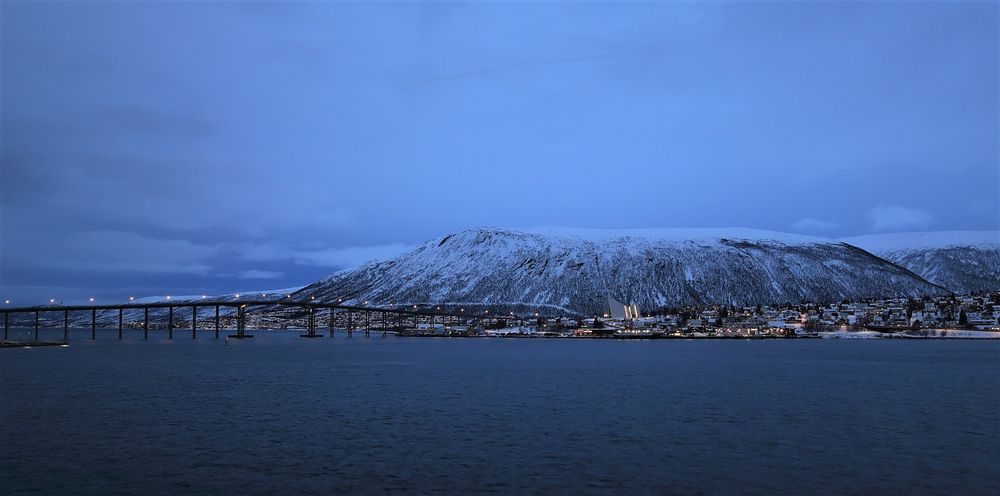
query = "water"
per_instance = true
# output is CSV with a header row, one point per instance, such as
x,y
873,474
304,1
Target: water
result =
x,y
280,414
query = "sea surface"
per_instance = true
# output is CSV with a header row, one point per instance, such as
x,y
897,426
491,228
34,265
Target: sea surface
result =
x,y
280,414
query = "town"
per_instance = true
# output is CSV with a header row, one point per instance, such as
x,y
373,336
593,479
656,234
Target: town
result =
x,y
955,316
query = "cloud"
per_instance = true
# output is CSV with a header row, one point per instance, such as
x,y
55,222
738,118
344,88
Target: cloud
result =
x,y
122,251
353,256
346,257
260,274
898,218
813,225
519,64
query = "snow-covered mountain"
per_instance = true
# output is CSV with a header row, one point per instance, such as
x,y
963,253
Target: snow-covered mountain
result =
x,y
558,270
962,261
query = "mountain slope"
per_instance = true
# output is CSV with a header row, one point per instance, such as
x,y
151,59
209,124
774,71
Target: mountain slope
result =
x,y
558,270
962,261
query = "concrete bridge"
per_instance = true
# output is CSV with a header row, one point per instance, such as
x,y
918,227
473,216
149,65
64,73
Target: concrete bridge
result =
x,y
357,317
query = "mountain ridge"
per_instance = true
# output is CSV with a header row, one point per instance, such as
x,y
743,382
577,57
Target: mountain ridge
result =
x,y
962,261
576,270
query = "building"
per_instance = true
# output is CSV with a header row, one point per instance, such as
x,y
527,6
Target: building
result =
x,y
620,311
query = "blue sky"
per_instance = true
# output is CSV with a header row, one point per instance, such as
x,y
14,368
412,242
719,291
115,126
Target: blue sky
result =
x,y
174,148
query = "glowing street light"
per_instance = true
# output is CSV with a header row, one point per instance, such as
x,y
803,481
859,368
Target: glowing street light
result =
x,y
7,302
91,299
168,297
131,298
52,300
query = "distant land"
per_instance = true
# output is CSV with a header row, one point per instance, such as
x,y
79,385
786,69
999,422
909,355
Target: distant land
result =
x,y
962,261
574,271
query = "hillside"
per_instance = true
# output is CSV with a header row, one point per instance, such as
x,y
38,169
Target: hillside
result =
x,y
962,261
558,270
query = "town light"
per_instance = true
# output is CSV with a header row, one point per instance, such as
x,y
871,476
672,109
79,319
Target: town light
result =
x,y
91,299
131,298
7,302
52,300
237,295
168,297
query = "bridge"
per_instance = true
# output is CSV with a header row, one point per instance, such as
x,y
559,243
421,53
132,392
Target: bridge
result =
x,y
364,314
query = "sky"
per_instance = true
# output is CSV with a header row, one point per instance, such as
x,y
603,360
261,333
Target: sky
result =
x,y
207,148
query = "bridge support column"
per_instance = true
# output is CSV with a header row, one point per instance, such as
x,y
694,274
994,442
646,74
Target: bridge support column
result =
x,y
331,323
241,323
311,332
121,317
383,324
66,325
6,324
194,322
368,326
216,321
145,323
36,325
93,323
350,323
170,323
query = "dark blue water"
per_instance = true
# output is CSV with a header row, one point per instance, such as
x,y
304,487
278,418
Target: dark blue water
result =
x,y
280,414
